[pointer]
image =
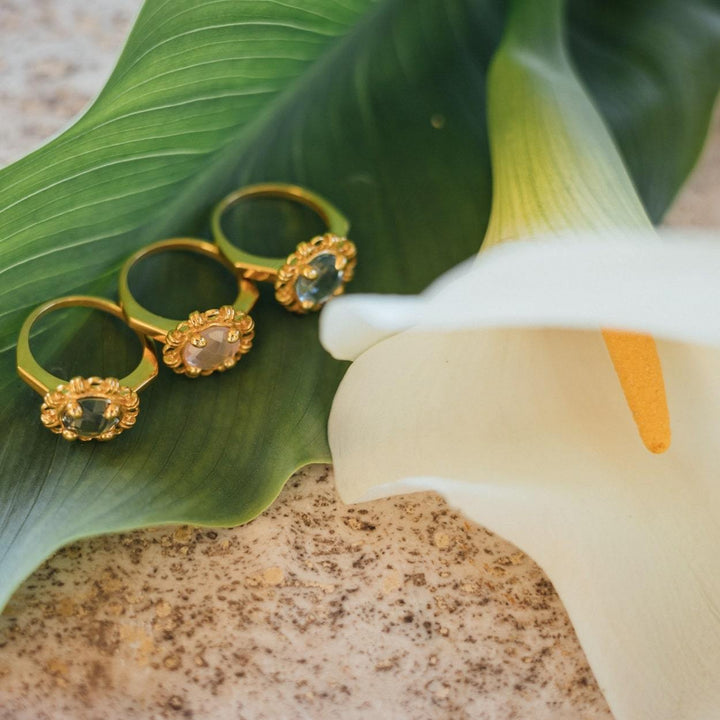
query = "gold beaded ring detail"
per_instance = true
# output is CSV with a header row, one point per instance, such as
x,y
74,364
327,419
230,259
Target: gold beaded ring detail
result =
x,y
207,341
82,408
315,272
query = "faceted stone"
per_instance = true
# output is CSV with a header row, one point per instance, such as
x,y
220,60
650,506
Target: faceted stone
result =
x,y
319,289
91,423
216,350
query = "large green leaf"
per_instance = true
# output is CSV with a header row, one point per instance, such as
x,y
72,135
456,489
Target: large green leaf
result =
x,y
377,105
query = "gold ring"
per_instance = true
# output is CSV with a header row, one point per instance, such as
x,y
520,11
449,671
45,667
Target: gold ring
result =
x,y
205,342
91,408
318,269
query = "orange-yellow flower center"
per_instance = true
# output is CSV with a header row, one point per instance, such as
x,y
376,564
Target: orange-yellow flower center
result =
x,y
638,368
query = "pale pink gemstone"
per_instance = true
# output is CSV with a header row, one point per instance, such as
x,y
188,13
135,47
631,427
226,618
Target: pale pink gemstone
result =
x,y
217,349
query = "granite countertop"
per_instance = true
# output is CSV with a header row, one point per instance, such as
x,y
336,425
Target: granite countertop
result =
x,y
398,608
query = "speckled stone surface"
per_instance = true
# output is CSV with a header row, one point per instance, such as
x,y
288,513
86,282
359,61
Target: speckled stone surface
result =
x,y
54,57
393,609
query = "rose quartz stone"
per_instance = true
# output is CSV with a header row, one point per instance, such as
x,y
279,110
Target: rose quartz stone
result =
x,y
215,352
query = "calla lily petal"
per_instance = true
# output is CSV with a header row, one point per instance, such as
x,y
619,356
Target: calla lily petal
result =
x,y
523,428
537,445
667,287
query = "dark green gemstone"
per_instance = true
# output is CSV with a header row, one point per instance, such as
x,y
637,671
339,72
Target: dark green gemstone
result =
x,y
92,421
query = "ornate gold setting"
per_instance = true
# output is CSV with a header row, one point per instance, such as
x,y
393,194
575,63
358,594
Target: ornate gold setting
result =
x,y
190,332
63,408
298,265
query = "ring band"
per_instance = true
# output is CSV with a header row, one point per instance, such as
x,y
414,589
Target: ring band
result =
x,y
205,342
318,269
91,408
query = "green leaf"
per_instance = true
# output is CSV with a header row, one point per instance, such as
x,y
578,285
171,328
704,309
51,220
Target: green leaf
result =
x,y
379,106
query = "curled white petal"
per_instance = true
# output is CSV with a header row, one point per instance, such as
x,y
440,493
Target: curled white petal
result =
x,y
669,287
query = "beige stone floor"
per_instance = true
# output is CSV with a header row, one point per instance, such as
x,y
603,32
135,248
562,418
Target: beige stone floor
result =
x,y
395,609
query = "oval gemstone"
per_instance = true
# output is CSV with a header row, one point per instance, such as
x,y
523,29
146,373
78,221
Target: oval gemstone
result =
x,y
320,288
92,422
215,351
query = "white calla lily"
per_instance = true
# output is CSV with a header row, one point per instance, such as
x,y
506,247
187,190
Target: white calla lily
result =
x,y
524,429
494,388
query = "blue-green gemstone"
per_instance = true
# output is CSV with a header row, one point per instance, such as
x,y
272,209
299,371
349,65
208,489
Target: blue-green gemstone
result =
x,y
321,288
